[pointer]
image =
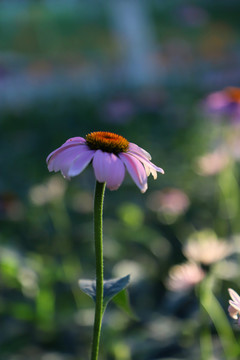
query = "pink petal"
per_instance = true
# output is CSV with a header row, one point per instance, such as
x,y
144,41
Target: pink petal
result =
x,y
217,100
77,139
116,175
232,312
136,170
234,296
234,305
69,143
138,150
108,168
80,163
63,159
149,166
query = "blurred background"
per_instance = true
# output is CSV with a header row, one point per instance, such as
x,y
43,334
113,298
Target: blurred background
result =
x,y
155,72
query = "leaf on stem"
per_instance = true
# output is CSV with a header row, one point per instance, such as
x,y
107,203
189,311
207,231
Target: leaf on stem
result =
x,y
122,301
111,288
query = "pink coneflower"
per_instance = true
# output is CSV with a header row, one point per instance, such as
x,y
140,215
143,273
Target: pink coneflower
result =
x,y
234,307
184,277
225,102
110,154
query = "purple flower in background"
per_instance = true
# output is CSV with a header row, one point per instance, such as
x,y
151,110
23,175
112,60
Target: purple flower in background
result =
x,y
225,103
193,16
110,154
234,307
119,110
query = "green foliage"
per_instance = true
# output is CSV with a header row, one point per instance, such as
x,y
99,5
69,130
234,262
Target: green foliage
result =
x,y
122,301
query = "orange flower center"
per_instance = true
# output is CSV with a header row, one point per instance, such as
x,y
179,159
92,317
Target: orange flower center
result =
x,y
107,141
233,93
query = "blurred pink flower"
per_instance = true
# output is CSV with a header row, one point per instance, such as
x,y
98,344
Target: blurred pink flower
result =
x,y
204,247
185,276
119,110
213,163
225,102
191,15
110,155
170,201
234,307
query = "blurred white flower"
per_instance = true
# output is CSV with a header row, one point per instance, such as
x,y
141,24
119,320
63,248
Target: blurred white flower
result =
x,y
44,193
131,267
234,307
185,276
204,247
29,281
212,163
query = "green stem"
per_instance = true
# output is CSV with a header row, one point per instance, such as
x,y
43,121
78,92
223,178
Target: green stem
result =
x,y
206,344
226,335
98,230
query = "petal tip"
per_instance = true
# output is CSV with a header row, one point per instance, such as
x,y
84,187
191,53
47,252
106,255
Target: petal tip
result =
x,y
144,189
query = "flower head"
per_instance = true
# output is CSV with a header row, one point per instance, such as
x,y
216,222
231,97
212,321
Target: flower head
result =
x,y
234,307
45,193
204,247
169,201
213,163
225,102
119,110
110,154
185,276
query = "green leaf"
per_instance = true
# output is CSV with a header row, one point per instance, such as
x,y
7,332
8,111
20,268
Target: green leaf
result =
x,y
122,301
111,288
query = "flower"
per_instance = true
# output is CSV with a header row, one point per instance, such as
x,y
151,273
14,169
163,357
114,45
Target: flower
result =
x,y
185,276
170,201
234,307
193,16
45,193
213,163
225,102
119,110
110,154
204,247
